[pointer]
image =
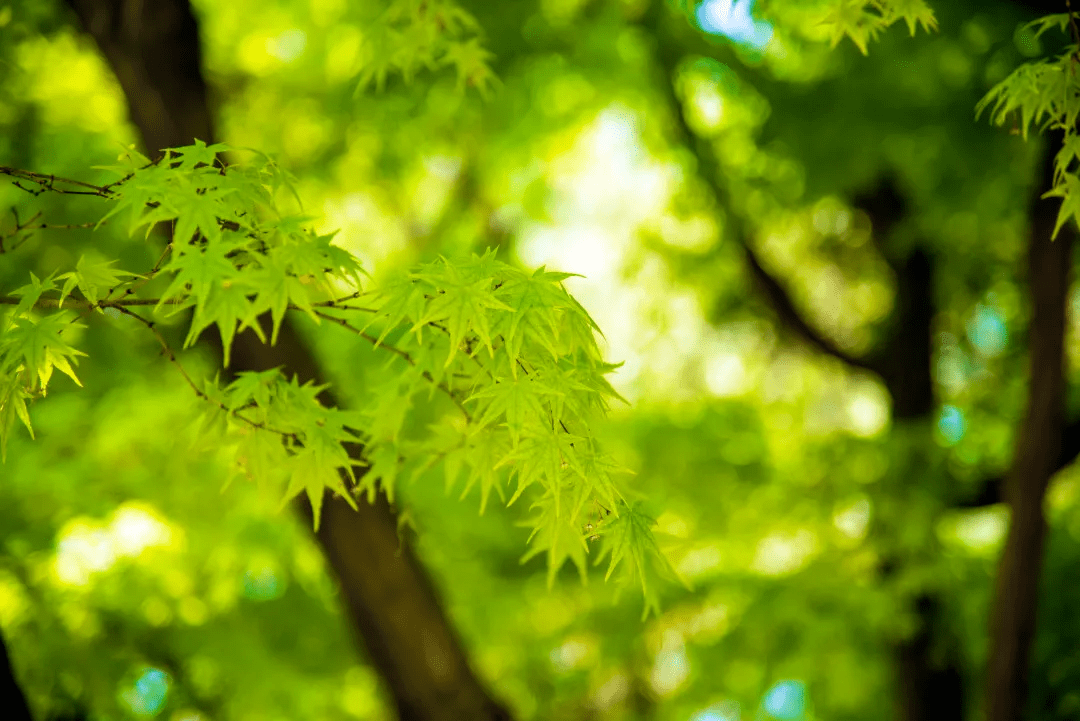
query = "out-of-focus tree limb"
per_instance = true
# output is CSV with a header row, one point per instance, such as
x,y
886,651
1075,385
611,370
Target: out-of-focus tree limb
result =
x,y
153,47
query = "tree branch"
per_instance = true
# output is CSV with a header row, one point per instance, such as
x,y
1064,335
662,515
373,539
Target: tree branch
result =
x,y
793,320
669,54
48,183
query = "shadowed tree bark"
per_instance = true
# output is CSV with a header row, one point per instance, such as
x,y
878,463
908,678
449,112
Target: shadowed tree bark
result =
x,y
12,699
1038,449
154,50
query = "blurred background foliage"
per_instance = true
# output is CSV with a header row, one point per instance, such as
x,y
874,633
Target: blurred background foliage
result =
x,y
132,585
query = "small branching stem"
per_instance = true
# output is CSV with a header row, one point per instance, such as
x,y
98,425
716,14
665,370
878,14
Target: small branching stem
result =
x,y
168,352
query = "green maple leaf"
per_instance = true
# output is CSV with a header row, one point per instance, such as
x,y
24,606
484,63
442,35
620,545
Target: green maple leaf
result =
x,y
142,196
538,301
38,347
517,400
278,288
914,13
92,277
472,63
1069,192
202,269
261,454
1066,156
249,387
461,305
585,390
229,307
313,472
627,540
400,301
13,397
484,450
596,483
541,457
197,207
199,154
31,294
385,464
559,536
388,412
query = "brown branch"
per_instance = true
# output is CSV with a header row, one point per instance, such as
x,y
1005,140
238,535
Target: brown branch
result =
x,y
14,699
669,55
27,228
123,304
793,320
48,183
82,304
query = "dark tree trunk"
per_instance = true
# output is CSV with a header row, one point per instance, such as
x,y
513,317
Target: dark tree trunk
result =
x,y
927,690
388,595
12,699
1012,621
929,682
154,49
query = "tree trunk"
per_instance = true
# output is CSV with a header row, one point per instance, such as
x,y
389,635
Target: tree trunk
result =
x,y
12,699
927,691
154,49
1012,621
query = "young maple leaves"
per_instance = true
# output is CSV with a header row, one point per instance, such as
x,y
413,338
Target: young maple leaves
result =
x,y
1046,93
864,20
233,255
518,356
493,372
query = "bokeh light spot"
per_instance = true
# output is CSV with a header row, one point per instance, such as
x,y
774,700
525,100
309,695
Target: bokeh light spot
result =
x,y
732,19
782,553
951,424
853,520
672,667
726,374
287,46
983,529
786,700
263,583
987,331
148,695
569,655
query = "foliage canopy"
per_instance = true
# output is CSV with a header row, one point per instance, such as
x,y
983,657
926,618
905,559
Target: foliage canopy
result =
x,y
787,480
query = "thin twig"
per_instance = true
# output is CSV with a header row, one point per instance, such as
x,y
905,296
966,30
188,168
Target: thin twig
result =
x,y
171,356
47,183
27,227
412,361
